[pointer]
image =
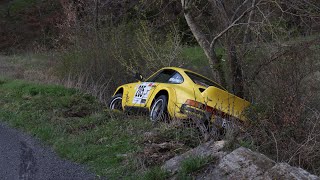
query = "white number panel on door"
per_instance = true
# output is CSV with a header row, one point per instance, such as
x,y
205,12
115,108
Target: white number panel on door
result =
x,y
142,93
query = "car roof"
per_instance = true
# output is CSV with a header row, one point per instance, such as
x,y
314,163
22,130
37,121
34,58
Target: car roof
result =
x,y
176,68
186,70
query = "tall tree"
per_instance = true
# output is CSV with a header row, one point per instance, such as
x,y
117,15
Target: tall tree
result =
x,y
234,24
208,43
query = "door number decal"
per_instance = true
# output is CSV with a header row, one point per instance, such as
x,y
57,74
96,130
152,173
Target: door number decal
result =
x,y
142,92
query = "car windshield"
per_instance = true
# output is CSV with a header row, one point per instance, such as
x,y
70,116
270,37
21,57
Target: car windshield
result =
x,y
202,81
167,76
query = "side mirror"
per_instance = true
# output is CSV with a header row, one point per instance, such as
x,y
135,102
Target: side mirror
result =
x,y
138,77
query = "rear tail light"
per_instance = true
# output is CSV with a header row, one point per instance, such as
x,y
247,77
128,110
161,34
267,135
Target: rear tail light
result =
x,y
199,105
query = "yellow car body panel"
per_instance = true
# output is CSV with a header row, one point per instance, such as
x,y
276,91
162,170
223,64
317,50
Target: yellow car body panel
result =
x,y
225,102
143,94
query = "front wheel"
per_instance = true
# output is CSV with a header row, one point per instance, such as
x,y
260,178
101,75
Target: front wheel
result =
x,y
159,109
116,102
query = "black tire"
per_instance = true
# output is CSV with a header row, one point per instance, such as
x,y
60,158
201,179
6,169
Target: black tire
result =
x,y
116,102
159,111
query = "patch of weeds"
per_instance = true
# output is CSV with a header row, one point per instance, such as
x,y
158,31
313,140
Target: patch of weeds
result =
x,y
230,145
166,141
77,106
192,165
156,173
246,143
188,136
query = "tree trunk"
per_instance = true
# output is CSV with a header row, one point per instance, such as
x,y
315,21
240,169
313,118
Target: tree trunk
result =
x,y
96,15
236,69
214,61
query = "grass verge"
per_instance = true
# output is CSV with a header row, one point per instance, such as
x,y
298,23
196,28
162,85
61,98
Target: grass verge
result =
x,y
75,125
78,128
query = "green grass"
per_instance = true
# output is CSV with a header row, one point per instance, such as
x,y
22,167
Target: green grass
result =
x,y
75,125
195,55
196,60
191,165
156,173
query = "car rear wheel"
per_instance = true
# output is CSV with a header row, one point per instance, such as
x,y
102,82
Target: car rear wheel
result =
x,y
159,109
116,102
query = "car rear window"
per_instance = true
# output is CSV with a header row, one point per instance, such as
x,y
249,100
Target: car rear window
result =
x,y
202,81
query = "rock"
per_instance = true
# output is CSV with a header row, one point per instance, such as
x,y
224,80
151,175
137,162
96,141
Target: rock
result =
x,y
241,163
211,148
285,171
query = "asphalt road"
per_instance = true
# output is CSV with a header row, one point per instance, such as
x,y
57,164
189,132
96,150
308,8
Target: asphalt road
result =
x,y
23,157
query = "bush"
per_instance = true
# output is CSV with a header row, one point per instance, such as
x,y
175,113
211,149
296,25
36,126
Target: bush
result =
x,y
101,60
285,118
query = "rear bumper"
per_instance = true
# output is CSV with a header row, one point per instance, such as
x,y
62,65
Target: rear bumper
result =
x,y
192,112
195,112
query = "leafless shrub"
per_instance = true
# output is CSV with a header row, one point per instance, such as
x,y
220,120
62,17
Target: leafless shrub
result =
x,y
102,59
98,88
145,51
284,116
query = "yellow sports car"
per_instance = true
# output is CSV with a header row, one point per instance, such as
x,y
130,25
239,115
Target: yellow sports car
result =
x,y
178,93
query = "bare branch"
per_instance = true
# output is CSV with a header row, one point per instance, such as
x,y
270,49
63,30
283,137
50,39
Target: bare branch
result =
x,y
221,8
246,33
234,23
305,14
275,140
238,8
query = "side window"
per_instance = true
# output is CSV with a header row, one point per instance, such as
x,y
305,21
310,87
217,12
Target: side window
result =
x,y
167,76
176,79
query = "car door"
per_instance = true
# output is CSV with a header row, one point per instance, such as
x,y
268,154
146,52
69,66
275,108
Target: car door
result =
x,y
144,90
